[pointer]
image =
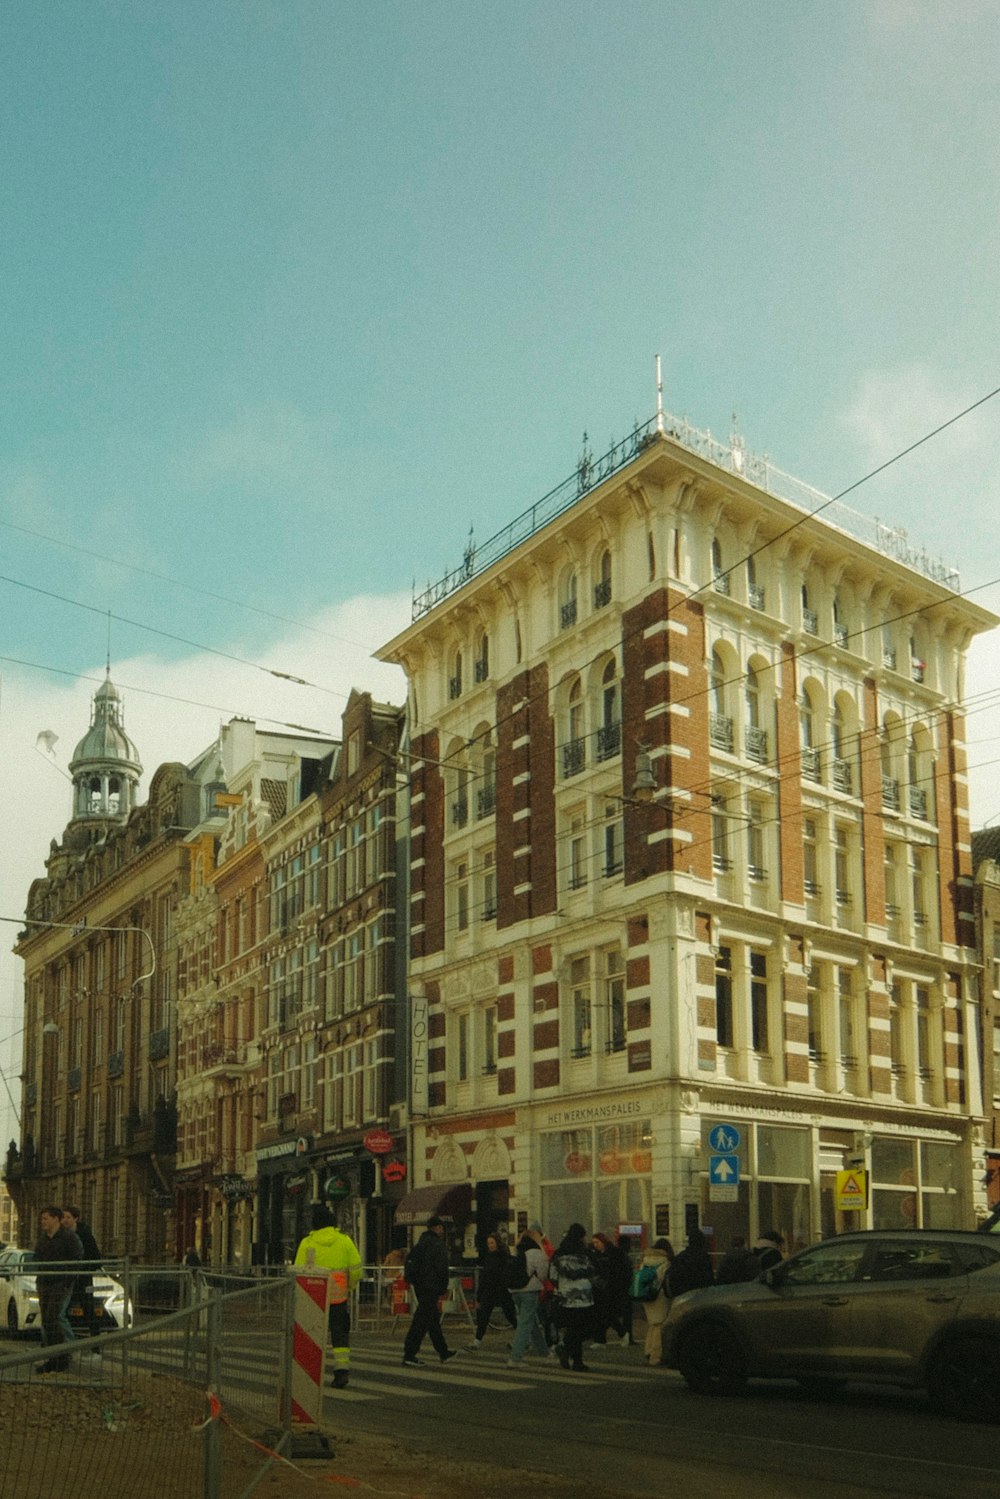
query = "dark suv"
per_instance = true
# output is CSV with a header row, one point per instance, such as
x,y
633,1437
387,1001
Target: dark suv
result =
x,y
917,1307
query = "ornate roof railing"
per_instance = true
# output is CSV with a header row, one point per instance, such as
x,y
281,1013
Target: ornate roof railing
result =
x,y
732,455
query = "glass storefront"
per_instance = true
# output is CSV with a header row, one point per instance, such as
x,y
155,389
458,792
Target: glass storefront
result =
x,y
775,1187
599,1175
915,1183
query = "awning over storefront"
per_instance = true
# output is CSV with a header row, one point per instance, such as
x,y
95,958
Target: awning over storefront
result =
x,y
450,1200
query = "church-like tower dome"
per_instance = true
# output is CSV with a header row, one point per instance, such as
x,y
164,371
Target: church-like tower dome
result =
x,y
105,766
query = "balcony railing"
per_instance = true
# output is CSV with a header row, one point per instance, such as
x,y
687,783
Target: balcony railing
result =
x,y
721,864
918,670
720,583
116,1064
810,621
755,744
454,687
74,1078
756,595
889,657
757,872
918,802
811,887
812,764
840,635
720,731
602,593
567,614
159,1045
460,812
609,740
890,793
842,779
574,755
480,670
486,800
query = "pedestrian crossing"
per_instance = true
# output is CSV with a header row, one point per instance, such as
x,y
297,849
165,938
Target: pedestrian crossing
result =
x,y
377,1371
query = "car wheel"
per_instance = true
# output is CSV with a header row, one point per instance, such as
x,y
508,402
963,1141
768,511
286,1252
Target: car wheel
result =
x,y
964,1378
13,1324
711,1361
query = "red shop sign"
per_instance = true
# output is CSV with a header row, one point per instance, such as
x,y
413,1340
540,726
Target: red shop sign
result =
x,y
378,1141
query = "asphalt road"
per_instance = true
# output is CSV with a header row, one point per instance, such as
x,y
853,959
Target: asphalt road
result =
x,y
640,1432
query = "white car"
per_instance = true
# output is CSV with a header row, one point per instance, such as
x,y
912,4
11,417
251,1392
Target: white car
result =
x,y
19,1298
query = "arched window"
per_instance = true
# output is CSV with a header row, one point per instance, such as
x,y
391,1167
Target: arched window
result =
x,y
755,592
602,587
839,620
720,722
567,600
486,788
755,734
609,733
720,578
841,743
810,619
481,668
455,680
575,745
811,761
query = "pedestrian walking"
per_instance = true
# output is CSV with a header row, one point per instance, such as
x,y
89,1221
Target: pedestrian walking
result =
x,y
532,1265
83,1286
328,1248
491,1288
651,1280
58,1250
426,1270
572,1274
612,1283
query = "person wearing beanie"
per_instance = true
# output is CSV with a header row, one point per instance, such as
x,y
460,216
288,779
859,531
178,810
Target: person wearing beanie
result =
x,y
327,1248
692,1269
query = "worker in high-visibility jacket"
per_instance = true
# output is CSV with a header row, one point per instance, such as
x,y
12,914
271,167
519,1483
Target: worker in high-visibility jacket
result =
x,y
329,1249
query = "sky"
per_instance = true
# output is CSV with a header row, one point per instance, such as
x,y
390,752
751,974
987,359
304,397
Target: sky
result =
x,y
293,295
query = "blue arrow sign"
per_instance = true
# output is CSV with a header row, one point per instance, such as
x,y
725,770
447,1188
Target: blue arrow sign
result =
x,y
724,1138
724,1170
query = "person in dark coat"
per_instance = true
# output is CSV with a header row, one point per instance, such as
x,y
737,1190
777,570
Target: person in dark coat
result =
x,y
58,1250
738,1264
692,1269
428,1275
613,1271
83,1287
492,1292
768,1249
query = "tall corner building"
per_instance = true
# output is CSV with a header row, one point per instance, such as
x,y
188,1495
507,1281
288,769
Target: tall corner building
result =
x,y
691,897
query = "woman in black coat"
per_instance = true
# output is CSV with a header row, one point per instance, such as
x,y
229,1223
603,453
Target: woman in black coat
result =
x,y
692,1268
494,1266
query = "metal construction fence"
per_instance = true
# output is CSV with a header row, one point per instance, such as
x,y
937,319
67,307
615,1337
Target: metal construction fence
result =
x,y
189,1405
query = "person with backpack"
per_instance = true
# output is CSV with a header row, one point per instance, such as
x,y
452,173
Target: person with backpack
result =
x,y
649,1291
491,1288
528,1273
426,1269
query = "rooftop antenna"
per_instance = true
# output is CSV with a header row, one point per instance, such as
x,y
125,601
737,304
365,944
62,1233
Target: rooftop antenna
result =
x,y
109,644
659,396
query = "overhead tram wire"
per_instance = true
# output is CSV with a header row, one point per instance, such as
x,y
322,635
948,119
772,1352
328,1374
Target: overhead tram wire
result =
x,y
135,624
168,697
208,593
771,541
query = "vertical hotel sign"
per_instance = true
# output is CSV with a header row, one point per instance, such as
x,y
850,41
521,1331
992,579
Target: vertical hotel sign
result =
x,y
418,1054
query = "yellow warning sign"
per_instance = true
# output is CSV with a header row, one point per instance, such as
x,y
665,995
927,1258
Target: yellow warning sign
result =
x,y
852,1191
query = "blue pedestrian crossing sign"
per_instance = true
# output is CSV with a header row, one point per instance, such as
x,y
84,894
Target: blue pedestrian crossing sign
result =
x,y
724,1138
724,1170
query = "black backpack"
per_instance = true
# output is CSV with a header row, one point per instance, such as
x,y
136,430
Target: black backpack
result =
x,y
518,1275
